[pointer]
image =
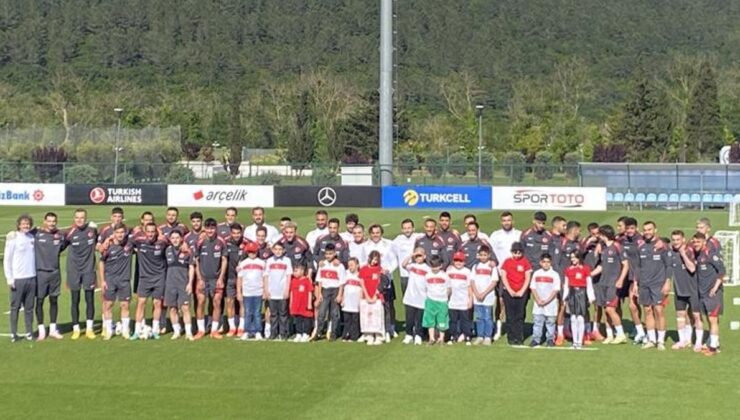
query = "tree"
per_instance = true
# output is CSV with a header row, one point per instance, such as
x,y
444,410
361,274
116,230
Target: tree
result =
x,y
300,142
703,121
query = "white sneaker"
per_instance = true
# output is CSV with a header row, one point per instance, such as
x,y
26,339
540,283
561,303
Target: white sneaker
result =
x,y
298,338
661,346
370,341
461,338
189,337
395,334
648,345
362,339
175,336
379,340
417,340
244,337
478,341
258,337
119,328
408,339
640,338
55,335
487,341
387,338
305,338
42,335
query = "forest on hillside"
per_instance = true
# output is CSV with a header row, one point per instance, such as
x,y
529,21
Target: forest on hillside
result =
x,y
636,80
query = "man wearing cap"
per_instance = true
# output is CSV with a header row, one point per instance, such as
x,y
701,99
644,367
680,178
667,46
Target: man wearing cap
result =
x,y
516,273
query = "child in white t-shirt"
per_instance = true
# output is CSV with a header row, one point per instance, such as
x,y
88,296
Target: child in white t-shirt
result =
x,y
544,286
351,295
436,313
461,300
251,289
483,285
415,294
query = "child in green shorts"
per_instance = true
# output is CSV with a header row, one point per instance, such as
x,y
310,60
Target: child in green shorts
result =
x,y
436,316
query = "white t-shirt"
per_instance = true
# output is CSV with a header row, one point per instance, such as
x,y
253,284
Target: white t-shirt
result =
x,y
483,276
314,235
460,285
358,251
416,290
501,241
403,246
437,285
385,248
250,232
329,275
464,237
278,272
352,293
251,271
545,282
347,236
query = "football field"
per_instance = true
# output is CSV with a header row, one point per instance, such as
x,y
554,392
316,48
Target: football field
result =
x,y
234,379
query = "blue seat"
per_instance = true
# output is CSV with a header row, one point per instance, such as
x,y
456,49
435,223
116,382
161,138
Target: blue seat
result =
x,y
619,198
640,197
737,197
717,198
696,198
609,197
663,198
629,198
727,198
706,198
685,198
652,198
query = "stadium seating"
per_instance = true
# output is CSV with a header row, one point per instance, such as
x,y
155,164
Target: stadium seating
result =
x,y
668,198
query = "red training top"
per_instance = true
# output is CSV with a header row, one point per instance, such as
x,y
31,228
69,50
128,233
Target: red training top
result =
x,y
300,290
515,269
370,275
577,275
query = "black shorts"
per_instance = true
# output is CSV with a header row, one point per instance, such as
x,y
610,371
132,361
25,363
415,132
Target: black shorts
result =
x,y
683,303
48,283
117,290
577,302
712,306
650,294
175,296
81,281
211,289
231,288
606,295
624,291
154,290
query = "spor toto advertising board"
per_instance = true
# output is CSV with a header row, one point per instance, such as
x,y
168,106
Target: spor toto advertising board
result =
x,y
436,197
221,195
32,195
549,198
119,194
328,196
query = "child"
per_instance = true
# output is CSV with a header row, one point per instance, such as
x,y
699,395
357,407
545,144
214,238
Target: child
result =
x,y
545,286
485,279
277,282
414,295
460,300
251,289
578,293
350,296
329,279
372,316
301,304
436,316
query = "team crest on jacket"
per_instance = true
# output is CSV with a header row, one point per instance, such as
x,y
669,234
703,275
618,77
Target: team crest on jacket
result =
x,y
297,249
544,240
436,245
89,234
217,247
450,239
610,252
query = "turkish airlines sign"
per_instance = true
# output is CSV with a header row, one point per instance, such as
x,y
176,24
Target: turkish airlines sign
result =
x,y
221,195
549,198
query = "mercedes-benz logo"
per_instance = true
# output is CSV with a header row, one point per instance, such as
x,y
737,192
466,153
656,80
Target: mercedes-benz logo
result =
x,y
327,196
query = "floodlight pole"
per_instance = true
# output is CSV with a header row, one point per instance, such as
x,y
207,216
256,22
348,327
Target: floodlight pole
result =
x,y
119,112
385,146
479,111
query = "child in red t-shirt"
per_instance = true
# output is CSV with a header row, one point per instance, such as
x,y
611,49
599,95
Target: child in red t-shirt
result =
x,y
578,293
301,303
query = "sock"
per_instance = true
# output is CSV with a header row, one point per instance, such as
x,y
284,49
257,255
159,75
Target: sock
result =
x,y
620,330
560,330
76,327
176,328
687,333
681,334
89,324
189,330
651,336
574,328
498,327
241,323
699,337
107,326
713,341
155,326
232,323
214,326
661,336
42,329
53,327
640,331
609,332
125,323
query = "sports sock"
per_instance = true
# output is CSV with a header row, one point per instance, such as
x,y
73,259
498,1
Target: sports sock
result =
x,y
574,328
155,326
125,324
89,324
681,329
560,330
699,336
241,323
176,329
107,326
620,330
651,336
232,323
214,326
639,329
713,341
76,327
53,327
687,333
609,332
201,325
42,329
661,336
189,330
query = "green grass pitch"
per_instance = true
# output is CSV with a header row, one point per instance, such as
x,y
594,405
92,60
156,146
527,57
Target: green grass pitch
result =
x,y
232,379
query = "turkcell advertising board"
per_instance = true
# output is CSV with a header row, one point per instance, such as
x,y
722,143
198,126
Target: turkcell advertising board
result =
x,y
436,197
221,196
32,194
549,198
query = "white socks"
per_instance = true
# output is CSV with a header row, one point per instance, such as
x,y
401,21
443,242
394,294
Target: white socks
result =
x,y
155,326
640,331
89,324
713,341
560,329
53,328
620,330
241,323
188,329
201,325
232,323
125,324
651,336
214,326
661,336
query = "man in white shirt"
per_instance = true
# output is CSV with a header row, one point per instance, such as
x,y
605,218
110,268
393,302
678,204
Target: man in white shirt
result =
x,y
350,221
322,218
258,219
357,244
501,241
403,247
19,263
